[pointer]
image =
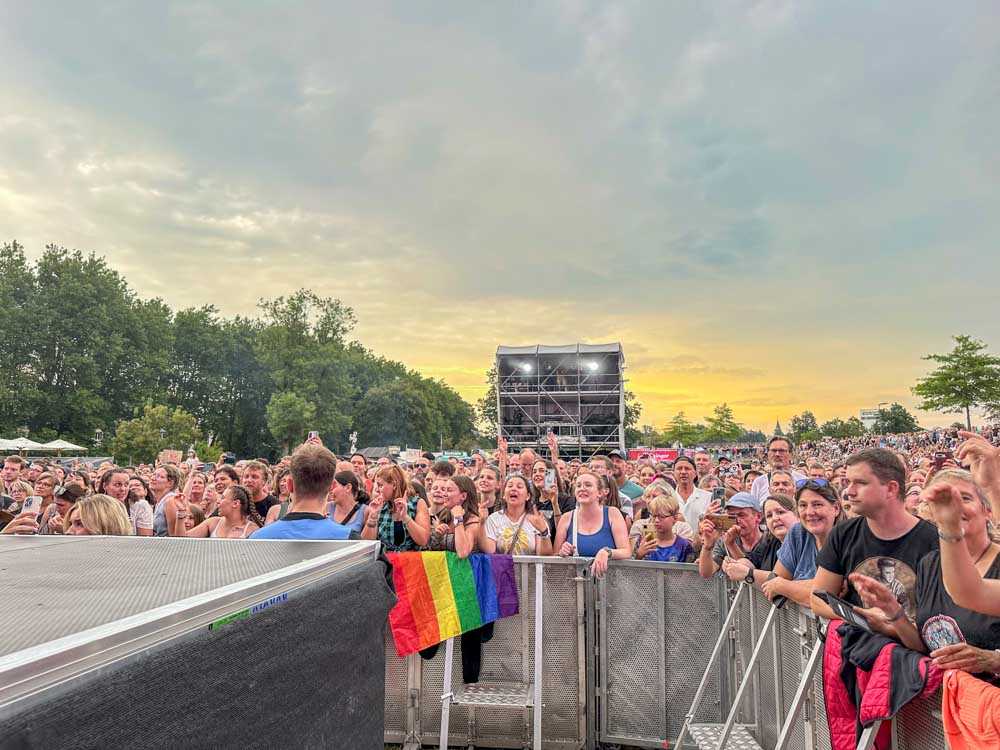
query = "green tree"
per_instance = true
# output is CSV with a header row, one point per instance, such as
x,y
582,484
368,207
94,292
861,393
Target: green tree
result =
x,y
396,413
486,407
680,430
838,428
722,426
159,427
893,420
966,377
289,416
804,427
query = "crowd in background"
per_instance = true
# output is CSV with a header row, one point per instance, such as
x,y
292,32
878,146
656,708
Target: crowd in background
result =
x,y
903,527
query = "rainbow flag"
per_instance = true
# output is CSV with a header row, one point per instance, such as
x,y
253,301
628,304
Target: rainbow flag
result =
x,y
441,595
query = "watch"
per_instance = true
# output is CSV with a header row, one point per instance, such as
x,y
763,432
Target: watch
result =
x,y
749,577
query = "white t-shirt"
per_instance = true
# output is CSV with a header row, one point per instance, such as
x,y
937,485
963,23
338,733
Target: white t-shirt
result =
x,y
141,515
695,506
761,486
501,529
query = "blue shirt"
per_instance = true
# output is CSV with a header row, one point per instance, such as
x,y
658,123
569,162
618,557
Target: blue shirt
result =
x,y
680,551
798,553
302,526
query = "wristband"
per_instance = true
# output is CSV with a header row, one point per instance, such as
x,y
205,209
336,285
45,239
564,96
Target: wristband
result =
x,y
951,537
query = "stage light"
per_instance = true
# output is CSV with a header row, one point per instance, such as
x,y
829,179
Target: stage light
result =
x,y
526,366
592,366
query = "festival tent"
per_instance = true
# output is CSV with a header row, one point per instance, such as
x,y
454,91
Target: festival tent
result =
x,y
62,445
21,444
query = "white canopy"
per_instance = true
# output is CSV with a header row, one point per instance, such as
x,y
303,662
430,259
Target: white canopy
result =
x,y
21,444
62,445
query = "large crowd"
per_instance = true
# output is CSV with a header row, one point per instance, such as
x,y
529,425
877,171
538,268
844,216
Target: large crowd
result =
x,y
902,527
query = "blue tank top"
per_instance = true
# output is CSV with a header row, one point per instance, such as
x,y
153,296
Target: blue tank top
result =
x,y
589,544
357,520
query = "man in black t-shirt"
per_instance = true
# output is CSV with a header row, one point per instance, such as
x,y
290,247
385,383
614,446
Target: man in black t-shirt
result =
x,y
884,542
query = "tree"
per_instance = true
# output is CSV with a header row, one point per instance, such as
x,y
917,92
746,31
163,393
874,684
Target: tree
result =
x,y
396,413
722,427
838,428
486,407
804,427
966,377
680,430
159,427
289,415
895,419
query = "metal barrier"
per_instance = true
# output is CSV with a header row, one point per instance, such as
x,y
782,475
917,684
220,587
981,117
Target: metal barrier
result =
x,y
623,657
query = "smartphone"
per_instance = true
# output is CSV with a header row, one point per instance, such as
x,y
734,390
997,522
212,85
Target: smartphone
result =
x,y
229,458
844,610
313,434
550,479
721,521
939,458
719,496
32,505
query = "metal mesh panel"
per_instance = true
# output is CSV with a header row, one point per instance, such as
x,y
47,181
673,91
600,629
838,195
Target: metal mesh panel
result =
x,y
918,725
396,692
74,603
747,627
768,709
630,652
693,619
792,662
819,702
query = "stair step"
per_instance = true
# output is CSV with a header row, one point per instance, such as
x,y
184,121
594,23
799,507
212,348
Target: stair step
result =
x,y
707,737
514,694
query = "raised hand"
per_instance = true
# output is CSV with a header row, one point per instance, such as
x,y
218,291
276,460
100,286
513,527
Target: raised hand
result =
x,y
945,502
982,457
567,550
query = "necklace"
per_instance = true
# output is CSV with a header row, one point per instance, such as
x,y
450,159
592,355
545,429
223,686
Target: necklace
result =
x,y
983,553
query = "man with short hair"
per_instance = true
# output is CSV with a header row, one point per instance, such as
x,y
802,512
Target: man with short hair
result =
x,y
11,472
884,534
782,483
779,457
526,459
313,468
420,467
703,464
694,501
619,465
255,480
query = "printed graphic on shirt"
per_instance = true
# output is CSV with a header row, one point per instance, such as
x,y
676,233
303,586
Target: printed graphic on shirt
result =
x,y
895,575
521,547
941,631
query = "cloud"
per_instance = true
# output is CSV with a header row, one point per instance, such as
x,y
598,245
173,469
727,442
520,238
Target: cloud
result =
x,y
789,190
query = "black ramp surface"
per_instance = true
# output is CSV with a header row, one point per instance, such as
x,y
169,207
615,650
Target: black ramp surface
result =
x,y
307,673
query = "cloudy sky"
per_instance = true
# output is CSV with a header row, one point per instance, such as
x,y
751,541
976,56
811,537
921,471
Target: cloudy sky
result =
x,y
782,205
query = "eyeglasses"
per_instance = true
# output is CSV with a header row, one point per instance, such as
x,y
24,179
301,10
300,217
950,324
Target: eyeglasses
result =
x,y
778,450
806,482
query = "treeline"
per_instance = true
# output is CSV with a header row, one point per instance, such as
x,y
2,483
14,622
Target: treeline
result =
x,y
80,352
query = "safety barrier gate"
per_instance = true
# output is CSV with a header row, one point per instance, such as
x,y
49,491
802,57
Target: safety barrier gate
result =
x,y
623,657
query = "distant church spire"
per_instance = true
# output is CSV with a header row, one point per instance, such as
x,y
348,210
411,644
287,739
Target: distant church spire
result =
x,y
777,428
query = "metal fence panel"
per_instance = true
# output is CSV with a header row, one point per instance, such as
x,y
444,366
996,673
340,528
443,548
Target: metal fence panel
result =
x,y
657,625
397,690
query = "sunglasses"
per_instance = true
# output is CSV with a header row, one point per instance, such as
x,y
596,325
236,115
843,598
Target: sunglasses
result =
x,y
799,484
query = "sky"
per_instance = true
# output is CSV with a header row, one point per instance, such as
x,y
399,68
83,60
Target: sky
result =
x,y
779,205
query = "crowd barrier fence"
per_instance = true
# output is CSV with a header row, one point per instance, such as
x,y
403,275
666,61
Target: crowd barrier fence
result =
x,y
623,658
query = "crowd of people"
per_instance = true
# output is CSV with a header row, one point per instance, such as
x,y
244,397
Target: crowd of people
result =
x,y
903,527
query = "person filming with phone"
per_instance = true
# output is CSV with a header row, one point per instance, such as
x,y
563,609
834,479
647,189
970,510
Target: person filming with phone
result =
x,y
738,526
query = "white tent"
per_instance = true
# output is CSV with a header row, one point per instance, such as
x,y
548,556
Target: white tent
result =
x,y
21,444
62,445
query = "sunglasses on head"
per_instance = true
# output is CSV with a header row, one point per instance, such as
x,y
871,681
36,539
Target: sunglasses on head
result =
x,y
799,484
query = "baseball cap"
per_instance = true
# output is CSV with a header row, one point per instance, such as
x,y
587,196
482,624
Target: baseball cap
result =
x,y
617,453
742,500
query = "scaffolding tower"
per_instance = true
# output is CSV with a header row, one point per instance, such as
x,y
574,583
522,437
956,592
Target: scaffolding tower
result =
x,y
576,391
